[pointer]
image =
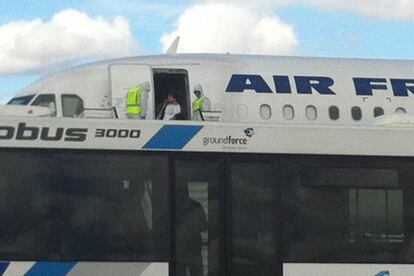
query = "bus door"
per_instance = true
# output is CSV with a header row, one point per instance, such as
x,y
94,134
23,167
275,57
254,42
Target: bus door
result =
x,y
125,76
253,219
199,219
226,218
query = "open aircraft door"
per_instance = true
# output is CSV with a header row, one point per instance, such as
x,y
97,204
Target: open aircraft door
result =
x,y
125,76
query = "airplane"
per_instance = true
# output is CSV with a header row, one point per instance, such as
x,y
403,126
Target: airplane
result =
x,y
241,88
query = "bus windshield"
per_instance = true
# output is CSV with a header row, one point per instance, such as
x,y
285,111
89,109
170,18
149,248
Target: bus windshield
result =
x,y
21,100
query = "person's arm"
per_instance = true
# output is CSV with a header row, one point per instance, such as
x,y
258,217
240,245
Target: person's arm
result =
x,y
160,109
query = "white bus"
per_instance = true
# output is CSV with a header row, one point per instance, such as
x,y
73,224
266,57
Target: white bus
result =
x,y
302,166
121,197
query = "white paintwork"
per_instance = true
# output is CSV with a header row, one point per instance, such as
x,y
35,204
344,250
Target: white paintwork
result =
x,y
24,111
94,268
289,139
156,269
18,268
95,85
347,270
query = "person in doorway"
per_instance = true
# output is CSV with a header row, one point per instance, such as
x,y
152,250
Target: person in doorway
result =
x,y
200,104
191,222
136,101
171,109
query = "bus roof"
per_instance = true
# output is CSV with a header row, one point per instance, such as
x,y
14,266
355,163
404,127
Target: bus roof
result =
x,y
208,137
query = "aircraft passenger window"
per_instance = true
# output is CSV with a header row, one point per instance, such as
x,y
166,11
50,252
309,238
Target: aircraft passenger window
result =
x,y
288,112
400,110
378,111
356,113
311,112
265,111
46,100
72,106
334,112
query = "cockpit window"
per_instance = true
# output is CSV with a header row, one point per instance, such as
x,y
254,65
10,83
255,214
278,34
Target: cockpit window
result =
x,y
21,100
46,100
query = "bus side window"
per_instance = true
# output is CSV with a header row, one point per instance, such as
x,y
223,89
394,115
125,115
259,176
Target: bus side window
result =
x,y
363,220
72,106
198,224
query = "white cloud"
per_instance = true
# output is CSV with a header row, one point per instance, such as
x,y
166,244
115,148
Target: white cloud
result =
x,y
219,27
69,36
386,9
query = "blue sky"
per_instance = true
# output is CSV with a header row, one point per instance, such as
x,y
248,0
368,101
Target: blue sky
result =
x,y
38,37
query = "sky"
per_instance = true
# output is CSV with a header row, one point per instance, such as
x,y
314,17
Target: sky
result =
x,y
40,37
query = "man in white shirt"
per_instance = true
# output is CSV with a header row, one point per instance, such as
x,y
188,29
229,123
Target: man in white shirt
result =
x,y
172,108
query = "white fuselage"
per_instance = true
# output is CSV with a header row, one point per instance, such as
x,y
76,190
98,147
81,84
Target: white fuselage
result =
x,y
253,89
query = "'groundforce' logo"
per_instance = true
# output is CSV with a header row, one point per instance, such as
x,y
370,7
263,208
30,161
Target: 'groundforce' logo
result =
x,y
31,133
230,140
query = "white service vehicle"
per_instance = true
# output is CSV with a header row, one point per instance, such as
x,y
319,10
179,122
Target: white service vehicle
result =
x,y
306,167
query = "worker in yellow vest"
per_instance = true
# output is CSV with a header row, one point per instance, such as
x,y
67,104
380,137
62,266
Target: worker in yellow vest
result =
x,y
200,104
136,101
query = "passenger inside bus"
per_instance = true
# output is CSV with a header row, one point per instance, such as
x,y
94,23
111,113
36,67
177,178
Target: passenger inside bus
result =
x,y
191,222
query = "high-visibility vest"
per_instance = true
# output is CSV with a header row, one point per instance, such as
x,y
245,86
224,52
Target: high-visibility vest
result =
x,y
133,100
197,103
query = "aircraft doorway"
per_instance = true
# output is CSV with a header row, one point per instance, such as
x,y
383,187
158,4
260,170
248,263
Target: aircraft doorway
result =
x,y
167,81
